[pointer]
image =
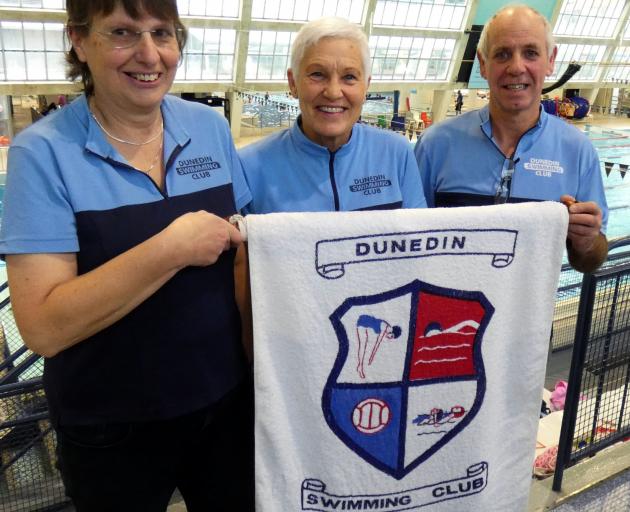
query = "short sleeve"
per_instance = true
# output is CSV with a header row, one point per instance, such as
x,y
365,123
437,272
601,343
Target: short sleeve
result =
x,y
411,186
240,189
242,194
424,167
37,217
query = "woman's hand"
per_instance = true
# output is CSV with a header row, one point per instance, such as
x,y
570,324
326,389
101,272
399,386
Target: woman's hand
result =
x,y
199,238
55,308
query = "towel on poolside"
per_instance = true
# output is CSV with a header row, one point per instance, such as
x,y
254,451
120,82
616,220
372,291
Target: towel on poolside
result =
x,y
399,355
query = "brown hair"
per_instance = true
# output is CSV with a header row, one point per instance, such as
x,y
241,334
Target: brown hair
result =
x,y
81,14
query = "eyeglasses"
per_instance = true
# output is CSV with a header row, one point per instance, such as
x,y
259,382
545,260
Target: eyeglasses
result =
x,y
503,190
121,38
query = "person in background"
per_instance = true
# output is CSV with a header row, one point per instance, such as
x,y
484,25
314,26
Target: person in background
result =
x,y
327,161
51,107
121,272
459,103
512,150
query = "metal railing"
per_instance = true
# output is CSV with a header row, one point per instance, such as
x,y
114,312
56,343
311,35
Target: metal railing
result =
x,y
597,406
566,309
29,480
568,295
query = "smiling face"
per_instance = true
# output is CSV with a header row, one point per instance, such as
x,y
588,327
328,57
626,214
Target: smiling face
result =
x,y
517,63
331,86
131,79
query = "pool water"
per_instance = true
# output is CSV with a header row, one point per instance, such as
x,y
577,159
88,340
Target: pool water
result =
x,y
613,147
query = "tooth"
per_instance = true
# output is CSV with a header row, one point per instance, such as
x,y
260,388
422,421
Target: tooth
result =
x,y
146,77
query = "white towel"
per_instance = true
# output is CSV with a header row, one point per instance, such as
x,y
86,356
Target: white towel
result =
x,y
399,355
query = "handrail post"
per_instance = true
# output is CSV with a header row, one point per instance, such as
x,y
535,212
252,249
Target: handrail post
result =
x,y
582,328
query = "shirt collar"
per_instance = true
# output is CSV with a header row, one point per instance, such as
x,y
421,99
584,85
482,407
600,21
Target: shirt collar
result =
x,y
486,125
96,142
306,144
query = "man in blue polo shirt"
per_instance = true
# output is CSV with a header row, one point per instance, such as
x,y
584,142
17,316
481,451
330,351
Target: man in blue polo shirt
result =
x,y
511,150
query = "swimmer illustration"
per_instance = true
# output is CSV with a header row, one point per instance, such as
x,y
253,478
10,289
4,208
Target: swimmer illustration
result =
x,y
370,333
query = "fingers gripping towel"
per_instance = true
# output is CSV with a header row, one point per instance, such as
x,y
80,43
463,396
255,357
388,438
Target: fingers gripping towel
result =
x,y
399,355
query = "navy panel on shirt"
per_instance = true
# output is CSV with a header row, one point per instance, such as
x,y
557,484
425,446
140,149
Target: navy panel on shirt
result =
x,y
388,206
453,199
106,234
135,350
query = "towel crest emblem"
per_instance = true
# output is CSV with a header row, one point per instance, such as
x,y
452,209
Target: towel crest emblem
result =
x,y
395,349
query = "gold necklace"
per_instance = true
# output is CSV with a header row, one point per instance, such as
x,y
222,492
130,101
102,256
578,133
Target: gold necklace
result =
x,y
124,141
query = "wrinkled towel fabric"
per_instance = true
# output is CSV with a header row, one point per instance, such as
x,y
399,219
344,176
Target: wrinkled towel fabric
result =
x,y
399,355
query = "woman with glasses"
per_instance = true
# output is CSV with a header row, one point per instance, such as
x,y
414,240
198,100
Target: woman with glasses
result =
x,y
121,271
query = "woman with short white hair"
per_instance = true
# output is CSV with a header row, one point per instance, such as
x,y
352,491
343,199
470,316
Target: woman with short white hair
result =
x,y
327,161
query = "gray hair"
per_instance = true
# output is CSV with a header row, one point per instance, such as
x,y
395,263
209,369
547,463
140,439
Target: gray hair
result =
x,y
329,27
483,45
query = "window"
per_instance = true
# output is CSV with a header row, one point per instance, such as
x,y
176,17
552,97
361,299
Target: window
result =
x,y
208,55
588,56
268,55
32,51
435,14
210,8
306,10
589,18
621,71
34,4
411,58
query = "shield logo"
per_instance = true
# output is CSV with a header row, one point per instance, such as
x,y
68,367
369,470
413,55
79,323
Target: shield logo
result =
x,y
409,374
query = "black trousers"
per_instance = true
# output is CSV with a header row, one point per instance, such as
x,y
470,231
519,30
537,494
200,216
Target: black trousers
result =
x,y
208,455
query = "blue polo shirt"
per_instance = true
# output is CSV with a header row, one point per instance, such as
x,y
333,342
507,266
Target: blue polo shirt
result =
x,y
287,172
461,163
69,191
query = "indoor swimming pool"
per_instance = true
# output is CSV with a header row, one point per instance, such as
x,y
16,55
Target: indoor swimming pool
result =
x,y
613,147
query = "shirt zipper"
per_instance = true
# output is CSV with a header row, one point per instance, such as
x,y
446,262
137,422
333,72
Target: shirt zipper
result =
x,y
513,154
331,170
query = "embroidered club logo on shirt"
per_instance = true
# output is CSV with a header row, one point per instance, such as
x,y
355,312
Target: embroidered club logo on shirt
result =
x,y
198,168
543,167
370,184
395,348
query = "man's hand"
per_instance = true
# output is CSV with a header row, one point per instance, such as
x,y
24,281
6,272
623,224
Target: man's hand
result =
x,y
586,245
